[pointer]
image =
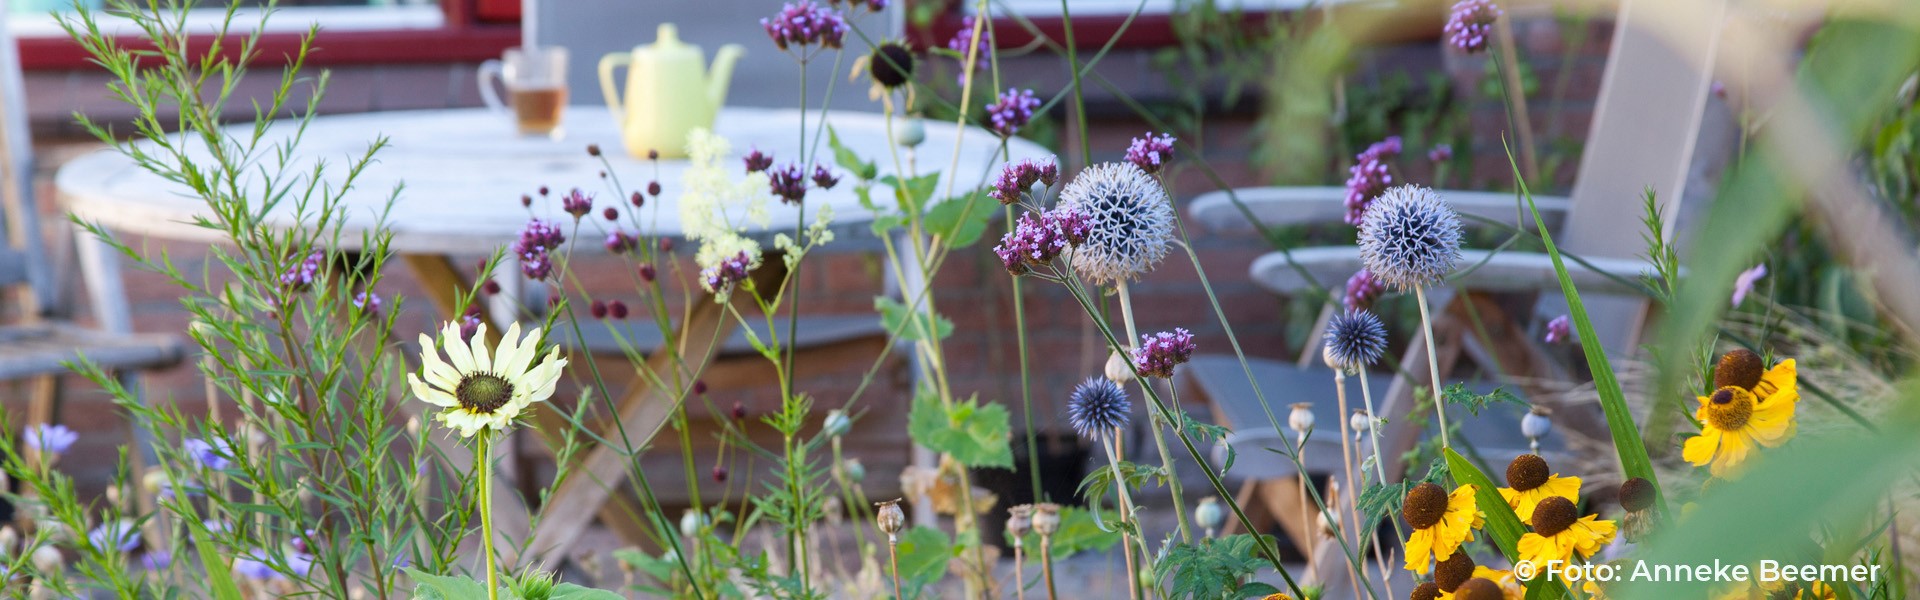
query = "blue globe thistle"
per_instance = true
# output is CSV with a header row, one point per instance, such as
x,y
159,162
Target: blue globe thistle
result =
x,y
1097,407
1355,339
1129,221
1410,238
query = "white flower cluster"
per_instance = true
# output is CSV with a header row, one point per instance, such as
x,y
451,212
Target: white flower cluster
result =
x,y
715,208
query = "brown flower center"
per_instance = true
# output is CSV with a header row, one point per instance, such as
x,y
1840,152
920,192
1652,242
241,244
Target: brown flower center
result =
x,y
483,393
1730,408
1479,588
1425,591
1424,505
1739,368
1527,471
1453,571
1636,495
1553,515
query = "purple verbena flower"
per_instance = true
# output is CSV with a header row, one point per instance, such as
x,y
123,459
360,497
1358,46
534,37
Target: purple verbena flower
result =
x,y
1370,176
619,242
1743,284
212,455
1440,153
823,178
1362,290
757,161
1011,112
537,239
367,301
958,43
470,322
576,203
1017,178
1160,352
789,183
300,276
1470,24
1150,153
805,24
728,273
1559,330
48,439
1037,240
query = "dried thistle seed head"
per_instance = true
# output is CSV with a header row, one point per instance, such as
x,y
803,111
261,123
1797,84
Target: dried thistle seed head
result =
x,y
1424,505
1479,588
1425,591
1046,518
1554,515
1019,520
1453,571
1636,494
890,518
1740,368
1527,471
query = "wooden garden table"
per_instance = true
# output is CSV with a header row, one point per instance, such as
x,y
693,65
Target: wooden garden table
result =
x,y
464,171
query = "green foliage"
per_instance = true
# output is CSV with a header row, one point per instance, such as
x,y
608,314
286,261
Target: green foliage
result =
x,y
895,316
442,587
1213,568
924,554
975,434
1079,532
1502,525
960,220
1457,394
863,170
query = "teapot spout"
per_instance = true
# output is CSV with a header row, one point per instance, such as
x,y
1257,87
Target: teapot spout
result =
x,y
722,73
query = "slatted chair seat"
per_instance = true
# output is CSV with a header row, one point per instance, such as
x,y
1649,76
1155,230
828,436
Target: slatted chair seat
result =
x,y
46,348
813,331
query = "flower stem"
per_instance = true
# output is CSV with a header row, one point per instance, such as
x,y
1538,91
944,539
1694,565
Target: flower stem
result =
x,y
1154,420
1126,516
483,458
1019,572
1433,368
1046,565
1346,461
893,553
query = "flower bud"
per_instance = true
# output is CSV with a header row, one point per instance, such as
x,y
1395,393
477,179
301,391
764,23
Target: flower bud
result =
x,y
1119,368
1301,419
1208,514
1535,424
837,423
854,470
1360,422
691,522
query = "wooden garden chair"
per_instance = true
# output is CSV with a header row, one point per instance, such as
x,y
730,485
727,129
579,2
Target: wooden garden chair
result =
x,y
38,340
1647,133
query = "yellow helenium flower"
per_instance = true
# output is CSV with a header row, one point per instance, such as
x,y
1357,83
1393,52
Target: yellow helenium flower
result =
x,y
1441,522
481,389
1532,482
1558,533
1747,408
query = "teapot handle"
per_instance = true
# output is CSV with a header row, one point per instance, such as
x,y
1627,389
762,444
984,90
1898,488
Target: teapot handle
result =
x,y
608,88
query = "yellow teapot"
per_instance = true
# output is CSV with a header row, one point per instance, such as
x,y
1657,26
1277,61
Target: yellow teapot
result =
x,y
669,92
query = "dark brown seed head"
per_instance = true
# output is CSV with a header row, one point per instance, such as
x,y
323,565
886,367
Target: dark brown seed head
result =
x,y
1425,591
1740,368
1453,571
1553,515
891,65
1636,494
1479,588
1424,505
1527,471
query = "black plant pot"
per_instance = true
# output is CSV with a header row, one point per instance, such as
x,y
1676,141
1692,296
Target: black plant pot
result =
x,y
1063,463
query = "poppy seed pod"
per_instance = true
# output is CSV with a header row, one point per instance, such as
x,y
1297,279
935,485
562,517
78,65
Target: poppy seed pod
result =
x,y
1046,518
891,519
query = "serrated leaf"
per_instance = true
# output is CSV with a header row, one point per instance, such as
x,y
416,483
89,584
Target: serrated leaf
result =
x,y
911,195
845,157
893,314
975,434
1458,395
959,221
924,552
442,587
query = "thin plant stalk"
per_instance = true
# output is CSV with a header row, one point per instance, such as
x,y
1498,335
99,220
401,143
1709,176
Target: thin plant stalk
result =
x,y
1306,508
483,476
1346,461
1019,571
1433,369
1154,419
893,554
1126,514
1373,435
1046,565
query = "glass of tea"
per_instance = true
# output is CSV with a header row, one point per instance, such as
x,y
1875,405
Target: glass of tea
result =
x,y
536,84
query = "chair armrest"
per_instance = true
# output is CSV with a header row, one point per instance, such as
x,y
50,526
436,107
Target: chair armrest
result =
x,y
1504,272
1284,206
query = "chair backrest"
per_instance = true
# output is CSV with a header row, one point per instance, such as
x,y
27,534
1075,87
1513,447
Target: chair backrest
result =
x,y
22,255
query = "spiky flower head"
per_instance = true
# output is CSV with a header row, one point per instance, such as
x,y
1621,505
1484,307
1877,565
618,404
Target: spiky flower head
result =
x,y
805,24
1159,353
1362,290
1470,24
1410,238
1011,111
1150,152
1097,407
1129,219
1355,339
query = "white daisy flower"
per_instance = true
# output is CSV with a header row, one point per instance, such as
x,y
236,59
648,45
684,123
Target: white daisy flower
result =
x,y
1129,222
481,389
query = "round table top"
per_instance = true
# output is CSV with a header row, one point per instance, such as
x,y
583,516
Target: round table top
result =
x,y
464,171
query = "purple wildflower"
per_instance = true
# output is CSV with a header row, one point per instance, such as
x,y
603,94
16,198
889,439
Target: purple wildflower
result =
x,y
1017,178
119,535
1362,290
789,183
1720,90
154,560
1470,24
598,309
368,301
470,322
1440,153
1037,240
823,178
1160,352
1743,285
1559,330
1370,176
212,455
965,34
619,242
536,240
804,24
616,309
757,161
48,439
1150,153
300,276
247,567
729,272
576,203
1013,110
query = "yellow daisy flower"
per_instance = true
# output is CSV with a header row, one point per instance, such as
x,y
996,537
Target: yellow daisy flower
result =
x,y
1441,522
480,389
1559,532
1532,482
1748,407
1510,586
1817,590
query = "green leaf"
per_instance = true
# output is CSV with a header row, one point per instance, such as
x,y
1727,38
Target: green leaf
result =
x,y
975,434
1458,394
924,553
218,571
960,220
568,591
441,587
1502,525
912,195
1211,568
892,313
1079,532
845,157
1626,435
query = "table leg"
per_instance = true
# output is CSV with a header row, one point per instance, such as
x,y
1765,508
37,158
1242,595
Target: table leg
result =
x,y
643,410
